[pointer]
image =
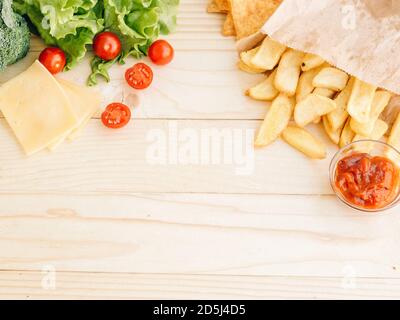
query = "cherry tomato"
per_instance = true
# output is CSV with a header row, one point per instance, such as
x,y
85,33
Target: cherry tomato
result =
x,y
106,45
53,59
161,52
116,115
139,76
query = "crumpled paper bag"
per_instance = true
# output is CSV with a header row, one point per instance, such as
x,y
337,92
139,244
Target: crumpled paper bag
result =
x,y
361,37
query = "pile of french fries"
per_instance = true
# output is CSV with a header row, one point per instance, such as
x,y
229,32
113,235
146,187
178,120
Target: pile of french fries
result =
x,y
305,89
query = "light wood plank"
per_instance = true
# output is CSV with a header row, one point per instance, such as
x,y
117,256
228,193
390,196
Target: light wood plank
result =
x,y
195,85
117,161
94,205
29,285
202,82
197,233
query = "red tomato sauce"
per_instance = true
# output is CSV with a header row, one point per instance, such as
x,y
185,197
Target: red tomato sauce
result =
x,y
366,181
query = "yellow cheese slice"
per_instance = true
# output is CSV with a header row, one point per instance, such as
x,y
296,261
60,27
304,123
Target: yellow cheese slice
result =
x,y
84,103
78,131
36,108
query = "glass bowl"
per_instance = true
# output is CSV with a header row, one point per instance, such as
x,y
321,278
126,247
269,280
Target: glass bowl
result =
x,y
373,148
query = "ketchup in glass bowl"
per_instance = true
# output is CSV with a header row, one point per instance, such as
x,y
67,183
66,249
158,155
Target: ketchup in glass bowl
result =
x,y
365,175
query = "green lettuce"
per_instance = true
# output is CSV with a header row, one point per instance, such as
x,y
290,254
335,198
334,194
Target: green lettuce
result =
x,y
67,24
72,24
138,23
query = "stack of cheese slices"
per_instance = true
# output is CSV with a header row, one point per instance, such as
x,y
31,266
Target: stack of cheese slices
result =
x,y
44,111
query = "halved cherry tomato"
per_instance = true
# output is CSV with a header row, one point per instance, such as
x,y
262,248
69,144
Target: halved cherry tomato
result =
x,y
53,59
116,115
161,52
139,76
106,45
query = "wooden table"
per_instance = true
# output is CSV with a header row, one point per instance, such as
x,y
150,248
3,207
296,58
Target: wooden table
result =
x,y
97,219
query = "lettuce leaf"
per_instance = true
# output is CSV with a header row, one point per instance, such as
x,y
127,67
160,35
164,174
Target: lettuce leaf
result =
x,y
100,68
138,23
69,24
72,25
169,11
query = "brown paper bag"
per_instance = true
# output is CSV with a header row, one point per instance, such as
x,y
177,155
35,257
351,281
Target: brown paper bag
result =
x,y
361,37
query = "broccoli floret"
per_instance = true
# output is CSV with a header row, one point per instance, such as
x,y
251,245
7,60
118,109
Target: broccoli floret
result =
x,y
14,35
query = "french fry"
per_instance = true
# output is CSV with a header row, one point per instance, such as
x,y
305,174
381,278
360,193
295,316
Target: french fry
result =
x,y
348,108
331,78
305,142
337,118
324,92
317,120
312,107
246,56
288,72
267,57
347,135
392,110
311,61
305,86
394,136
360,101
245,61
379,103
377,133
244,67
275,121
264,90
334,135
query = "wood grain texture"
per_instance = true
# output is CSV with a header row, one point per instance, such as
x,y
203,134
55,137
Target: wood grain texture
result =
x,y
118,161
113,225
202,82
196,233
196,85
78,285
